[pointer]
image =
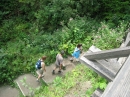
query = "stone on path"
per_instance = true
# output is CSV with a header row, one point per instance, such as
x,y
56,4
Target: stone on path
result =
x,y
30,84
7,91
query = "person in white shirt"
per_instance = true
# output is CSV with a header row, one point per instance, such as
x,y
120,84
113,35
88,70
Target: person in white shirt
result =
x,y
59,62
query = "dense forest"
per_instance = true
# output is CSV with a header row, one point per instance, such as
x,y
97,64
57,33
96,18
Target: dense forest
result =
x,y
32,28
20,17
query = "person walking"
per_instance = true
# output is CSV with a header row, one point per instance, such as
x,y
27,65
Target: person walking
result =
x,y
76,53
40,66
59,62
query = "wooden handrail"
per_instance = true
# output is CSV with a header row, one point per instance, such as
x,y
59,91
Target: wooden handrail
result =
x,y
106,54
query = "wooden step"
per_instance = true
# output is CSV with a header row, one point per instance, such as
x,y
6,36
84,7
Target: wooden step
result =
x,y
111,66
107,54
127,40
98,68
111,63
107,68
109,85
97,93
122,60
120,86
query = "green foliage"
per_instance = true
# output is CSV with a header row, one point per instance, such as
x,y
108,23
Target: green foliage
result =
x,y
50,15
108,38
114,11
22,52
58,81
77,31
53,15
33,28
86,8
97,82
13,29
61,86
68,48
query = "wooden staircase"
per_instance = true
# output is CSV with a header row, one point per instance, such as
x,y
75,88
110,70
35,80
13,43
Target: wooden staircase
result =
x,y
114,65
105,67
116,73
120,87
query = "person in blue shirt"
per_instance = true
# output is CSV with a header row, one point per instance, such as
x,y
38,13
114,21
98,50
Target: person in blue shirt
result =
x,y
77,52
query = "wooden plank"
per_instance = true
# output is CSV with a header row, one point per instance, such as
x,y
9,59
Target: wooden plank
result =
x,y
98,68
113,67
107,68
97,93
114,53
122,60
122,45
110,64
95,49
120,86
127,41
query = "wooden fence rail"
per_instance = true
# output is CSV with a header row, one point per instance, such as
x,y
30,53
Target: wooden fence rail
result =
x,y
113,53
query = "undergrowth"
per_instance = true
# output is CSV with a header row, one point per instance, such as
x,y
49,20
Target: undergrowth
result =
x,y
61,85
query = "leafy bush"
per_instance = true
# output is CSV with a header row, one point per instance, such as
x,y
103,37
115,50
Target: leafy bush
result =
x,y
107,38
11,30
22,53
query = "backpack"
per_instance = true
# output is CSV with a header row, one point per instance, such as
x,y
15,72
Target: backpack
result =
x,y
38,64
